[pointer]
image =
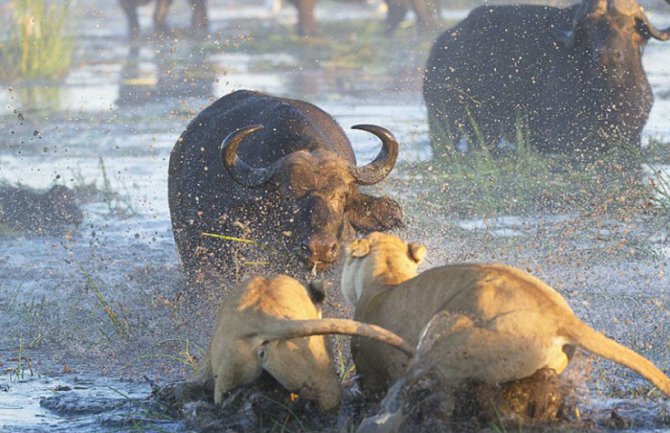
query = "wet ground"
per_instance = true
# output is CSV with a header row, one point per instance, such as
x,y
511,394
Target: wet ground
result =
x,y
86,316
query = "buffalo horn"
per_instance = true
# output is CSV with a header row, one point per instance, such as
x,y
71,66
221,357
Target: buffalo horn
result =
x,y
589,7
648,28
240,171
280,329
382,165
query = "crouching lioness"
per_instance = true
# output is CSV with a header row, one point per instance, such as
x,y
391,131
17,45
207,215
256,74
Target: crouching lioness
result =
x,y
482,322
274,324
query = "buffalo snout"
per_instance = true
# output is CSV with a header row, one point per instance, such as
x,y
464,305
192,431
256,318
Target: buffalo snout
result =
x,y
320,249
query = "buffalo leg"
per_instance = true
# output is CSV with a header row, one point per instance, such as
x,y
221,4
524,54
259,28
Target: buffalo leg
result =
x,y
426,11
306,22
199,21
397,9
130,9
160,16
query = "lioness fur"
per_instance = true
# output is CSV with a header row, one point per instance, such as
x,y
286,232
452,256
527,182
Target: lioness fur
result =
x,y
273,324
486,322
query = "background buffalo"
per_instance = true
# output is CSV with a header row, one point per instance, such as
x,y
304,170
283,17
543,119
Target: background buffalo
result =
x,y
573,77
285,179
198,18
426,11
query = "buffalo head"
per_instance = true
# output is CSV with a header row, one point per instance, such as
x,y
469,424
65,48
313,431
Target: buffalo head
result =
x,y
315,192
607,37
609,26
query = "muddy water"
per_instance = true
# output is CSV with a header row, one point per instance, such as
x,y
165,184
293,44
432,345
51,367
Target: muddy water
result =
x,y
88,314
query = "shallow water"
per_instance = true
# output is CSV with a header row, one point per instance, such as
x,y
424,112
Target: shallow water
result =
x,y
49,404
114,122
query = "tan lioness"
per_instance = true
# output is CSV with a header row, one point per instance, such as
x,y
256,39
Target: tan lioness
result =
x,y
258,327
486,322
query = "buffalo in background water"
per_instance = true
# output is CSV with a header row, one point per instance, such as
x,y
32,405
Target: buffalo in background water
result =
x,y
572,77
198,18
277,172
426,12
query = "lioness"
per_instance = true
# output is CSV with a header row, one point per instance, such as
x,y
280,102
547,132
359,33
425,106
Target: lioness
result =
x,y
484,322
258,327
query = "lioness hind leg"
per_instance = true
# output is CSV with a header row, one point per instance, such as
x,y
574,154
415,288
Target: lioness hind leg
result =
x,y
460,349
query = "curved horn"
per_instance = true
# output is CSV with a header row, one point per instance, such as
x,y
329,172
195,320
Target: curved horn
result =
x,y
385,160
647,28
588,8
281,329
239,170
595,6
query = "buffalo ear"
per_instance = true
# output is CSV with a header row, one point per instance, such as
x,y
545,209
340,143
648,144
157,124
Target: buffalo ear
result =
x,y
359,248
317,290
564,30
416,252
564,37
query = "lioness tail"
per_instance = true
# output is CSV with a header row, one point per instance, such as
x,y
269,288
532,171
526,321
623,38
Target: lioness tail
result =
x,y
595,342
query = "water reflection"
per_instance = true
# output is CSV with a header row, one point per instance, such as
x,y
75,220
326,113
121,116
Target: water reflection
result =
x,y
43,97
180,71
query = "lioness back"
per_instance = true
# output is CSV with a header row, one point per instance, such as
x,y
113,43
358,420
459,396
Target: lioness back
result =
x,y
282,297
485,291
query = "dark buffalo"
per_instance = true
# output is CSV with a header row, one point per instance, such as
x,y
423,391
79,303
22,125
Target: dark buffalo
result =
x,y
426,12
23,210
280,172
573,77
198,18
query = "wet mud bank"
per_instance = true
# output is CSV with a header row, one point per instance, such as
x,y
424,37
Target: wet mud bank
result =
x,y
98,322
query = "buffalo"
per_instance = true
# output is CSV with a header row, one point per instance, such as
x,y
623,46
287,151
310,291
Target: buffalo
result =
x,y
261,180
199,22
426,12
570,77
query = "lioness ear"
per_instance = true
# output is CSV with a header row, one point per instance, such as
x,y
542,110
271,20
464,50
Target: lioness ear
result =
x,y
359,248
317,290
416,252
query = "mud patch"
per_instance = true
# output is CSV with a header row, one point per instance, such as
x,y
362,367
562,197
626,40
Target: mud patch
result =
x,y
261,407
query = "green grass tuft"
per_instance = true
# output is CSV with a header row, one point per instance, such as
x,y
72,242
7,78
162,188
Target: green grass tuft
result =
x,y
35,45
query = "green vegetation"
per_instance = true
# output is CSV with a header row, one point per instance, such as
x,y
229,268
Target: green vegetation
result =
x,y
118,204
35,45
350,44
660,183
22,364
121,326
344,364
188,356
519,180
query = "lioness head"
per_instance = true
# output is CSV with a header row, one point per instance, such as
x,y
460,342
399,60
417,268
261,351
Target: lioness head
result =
x,y
275,325
245,342
378,258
